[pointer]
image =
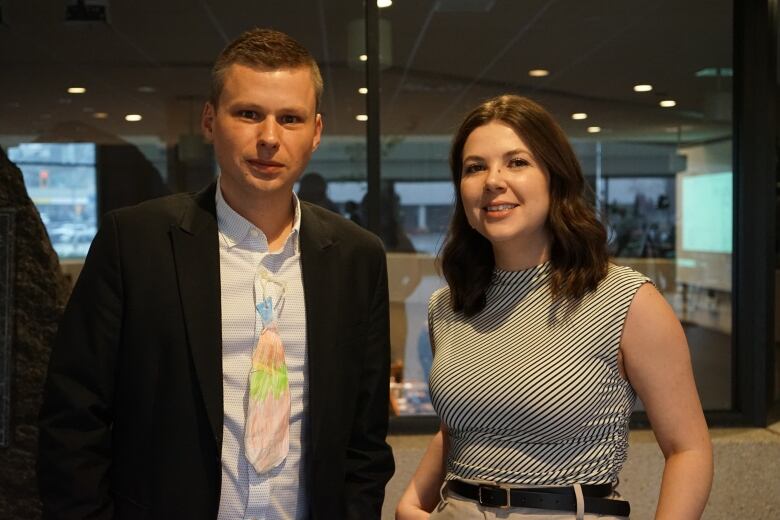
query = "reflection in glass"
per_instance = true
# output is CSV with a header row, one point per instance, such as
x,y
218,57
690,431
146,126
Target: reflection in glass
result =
x,y
660,163
438,59
61,180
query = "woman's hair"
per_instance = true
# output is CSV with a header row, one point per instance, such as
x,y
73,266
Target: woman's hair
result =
x,y
578,250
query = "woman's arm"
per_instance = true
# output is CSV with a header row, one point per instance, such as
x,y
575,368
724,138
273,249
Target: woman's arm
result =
x,y
422,494
658,365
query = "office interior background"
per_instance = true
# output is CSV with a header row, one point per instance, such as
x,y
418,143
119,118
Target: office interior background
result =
x,y
671,108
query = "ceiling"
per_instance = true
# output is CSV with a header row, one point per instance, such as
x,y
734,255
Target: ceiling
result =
x,y
440,58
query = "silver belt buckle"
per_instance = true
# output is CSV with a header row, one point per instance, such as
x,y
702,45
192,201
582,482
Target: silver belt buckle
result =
x,y
507,505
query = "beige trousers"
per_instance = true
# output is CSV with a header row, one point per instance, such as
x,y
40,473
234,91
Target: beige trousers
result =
x,y
455,507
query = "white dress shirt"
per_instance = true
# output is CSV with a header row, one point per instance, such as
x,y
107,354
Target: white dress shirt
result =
x,y
243,248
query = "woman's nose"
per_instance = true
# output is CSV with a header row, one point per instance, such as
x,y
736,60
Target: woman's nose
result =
x,y
494,179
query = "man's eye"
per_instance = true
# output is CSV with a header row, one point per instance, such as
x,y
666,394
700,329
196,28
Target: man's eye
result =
x,y
473,168
289,119
247,114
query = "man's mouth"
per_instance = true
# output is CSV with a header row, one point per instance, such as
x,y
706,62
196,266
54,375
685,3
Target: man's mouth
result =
x,y
260,163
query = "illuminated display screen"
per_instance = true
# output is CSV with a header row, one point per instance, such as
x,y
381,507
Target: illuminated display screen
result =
x,y
707,213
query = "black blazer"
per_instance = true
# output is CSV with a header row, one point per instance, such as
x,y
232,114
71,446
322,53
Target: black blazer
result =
x,y
131,425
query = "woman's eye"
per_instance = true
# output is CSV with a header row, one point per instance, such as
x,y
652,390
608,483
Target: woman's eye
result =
x,y
518,163
473,168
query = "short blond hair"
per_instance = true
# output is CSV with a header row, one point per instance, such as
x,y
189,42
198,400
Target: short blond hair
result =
x,y
264,48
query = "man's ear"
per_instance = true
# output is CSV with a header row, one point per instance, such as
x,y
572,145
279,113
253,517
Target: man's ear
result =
x,y
317,132
207,121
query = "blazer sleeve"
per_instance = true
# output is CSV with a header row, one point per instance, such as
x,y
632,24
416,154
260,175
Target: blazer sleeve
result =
x,y
75,420
369,459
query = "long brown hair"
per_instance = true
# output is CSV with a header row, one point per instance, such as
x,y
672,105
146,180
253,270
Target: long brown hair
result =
x,y
578,251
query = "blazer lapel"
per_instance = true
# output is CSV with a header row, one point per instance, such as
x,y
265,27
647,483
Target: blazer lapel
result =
x,y
196,251
319,266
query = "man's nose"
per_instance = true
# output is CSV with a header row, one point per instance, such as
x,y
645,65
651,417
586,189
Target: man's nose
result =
x,y
268,136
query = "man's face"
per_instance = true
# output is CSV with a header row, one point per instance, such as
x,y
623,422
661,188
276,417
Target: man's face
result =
x,y
264,129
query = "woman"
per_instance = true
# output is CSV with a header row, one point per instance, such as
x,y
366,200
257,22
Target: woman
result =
x,y
541,345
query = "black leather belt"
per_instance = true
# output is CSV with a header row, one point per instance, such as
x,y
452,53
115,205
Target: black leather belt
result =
x,y
551,498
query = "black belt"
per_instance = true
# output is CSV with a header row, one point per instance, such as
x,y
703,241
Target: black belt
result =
x,y
554,498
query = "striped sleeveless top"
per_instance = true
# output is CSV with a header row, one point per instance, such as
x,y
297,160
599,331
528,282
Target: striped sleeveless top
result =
x,y
529,390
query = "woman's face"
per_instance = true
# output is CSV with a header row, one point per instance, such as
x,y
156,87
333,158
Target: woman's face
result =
x,y
506,195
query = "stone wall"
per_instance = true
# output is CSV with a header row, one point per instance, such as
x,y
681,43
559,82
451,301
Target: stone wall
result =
x,y
40,291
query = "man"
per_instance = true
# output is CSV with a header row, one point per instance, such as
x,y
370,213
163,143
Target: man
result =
x,y
197,315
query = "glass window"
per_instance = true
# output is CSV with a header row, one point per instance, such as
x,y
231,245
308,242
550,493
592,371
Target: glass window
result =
x,y
105,113
60,180
650,120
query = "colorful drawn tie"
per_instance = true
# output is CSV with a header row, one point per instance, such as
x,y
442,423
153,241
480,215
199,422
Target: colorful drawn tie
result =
x,y
267,429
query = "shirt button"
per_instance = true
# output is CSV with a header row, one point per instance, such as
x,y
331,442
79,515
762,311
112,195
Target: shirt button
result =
x,y
254,233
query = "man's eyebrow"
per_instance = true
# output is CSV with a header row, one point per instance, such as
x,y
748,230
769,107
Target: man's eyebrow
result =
x,y
244,104
251,105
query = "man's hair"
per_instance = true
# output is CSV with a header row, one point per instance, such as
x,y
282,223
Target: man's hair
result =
x,y
578,251
264,48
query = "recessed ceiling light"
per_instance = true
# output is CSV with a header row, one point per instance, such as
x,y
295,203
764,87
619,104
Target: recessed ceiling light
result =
x,y
363,57
363,90
145,89
668,103
76,90
538,73
594,129
643,88
361,117
384,3
100,115
579,115
133,117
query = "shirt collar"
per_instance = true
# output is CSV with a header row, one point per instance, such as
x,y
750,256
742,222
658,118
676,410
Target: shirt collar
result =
x,y
235,229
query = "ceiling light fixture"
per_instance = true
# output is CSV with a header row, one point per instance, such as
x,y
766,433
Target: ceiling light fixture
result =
x,y
133,117
361,117
643,88
363,90
579,116
668,103
384,3
76,90
594,129
100,115
538,73
363,57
